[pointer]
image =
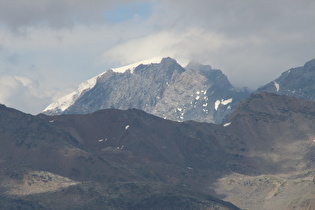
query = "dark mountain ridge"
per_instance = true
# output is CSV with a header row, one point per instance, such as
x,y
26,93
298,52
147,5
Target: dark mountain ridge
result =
x,y
64,156
266,136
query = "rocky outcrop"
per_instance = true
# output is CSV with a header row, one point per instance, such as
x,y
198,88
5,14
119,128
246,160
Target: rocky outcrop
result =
x,y
165,89
298,82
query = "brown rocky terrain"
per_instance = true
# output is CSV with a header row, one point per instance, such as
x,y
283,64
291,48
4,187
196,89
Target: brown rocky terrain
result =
x,y
276,136
64,162
261,157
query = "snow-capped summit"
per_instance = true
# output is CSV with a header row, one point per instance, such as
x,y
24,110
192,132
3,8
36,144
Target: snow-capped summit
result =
x,y
160,87
132,66
65,102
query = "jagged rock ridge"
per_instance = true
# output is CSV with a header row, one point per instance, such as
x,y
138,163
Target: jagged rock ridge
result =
x,y
165,89
298,82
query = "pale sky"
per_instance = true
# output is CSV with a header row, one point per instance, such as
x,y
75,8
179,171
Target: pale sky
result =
x,y
48,47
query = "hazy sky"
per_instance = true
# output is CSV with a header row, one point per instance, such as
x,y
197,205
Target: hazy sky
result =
x,y
48,47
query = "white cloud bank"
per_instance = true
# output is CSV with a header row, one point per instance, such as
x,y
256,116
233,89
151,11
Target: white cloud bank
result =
x,y
191,44
21,93
17,14
58,44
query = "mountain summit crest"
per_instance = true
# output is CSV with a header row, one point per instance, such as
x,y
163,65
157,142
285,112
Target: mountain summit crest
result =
x,y
165,89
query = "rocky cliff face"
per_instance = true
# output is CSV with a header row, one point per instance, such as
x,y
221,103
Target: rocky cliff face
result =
x,y
165,89
298,82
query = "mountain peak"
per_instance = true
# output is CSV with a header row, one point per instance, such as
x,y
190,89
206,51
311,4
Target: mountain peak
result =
x,y
165,89
132,66
197,66
168,60
310,64
298,82
216,76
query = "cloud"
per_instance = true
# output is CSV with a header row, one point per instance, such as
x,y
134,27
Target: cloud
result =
x,y
258,43
55,13
191,44
261,39
8,57
22,93
130,11
67,42
239,16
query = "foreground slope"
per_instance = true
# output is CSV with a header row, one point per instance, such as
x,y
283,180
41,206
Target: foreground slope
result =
x,y
48,163
279,129
276,136
261,157
33,143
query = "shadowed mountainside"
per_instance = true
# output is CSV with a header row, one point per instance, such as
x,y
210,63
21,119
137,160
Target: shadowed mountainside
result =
x,y
257,159
65,160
